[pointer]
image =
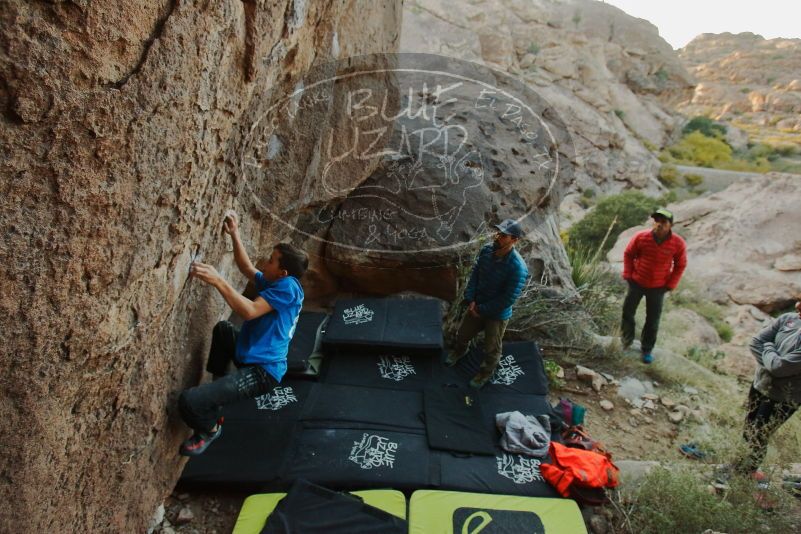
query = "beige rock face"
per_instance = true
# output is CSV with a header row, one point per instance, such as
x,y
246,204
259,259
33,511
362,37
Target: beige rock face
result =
x,y
746,78
607,75
741,241
122,129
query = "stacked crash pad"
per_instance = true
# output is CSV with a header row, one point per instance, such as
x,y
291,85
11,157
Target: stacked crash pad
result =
x,y
383,413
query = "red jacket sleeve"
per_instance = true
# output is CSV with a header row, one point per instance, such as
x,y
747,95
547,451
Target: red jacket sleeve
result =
x,y
679,264
631,252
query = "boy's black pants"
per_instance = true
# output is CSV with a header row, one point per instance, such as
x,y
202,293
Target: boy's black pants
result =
x,y
201,406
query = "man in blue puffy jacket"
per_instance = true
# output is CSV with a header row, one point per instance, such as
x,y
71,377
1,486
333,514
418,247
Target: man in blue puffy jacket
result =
x,y
497,278
258,350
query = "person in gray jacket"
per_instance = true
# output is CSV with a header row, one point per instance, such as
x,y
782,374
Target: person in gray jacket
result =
x,y
776,392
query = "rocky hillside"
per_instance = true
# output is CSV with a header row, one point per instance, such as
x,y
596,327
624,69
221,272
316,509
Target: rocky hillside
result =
x,y
745,78
123,125
609,76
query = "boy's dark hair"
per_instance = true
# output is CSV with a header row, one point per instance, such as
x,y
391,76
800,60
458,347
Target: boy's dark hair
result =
x,y
293,260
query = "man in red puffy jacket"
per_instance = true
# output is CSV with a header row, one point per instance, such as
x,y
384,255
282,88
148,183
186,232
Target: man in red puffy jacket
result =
x,y
653,263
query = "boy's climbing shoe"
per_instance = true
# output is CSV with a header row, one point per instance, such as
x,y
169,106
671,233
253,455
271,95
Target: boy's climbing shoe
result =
x,y
197,444
647,357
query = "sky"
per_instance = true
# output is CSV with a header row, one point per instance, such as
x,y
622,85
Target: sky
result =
x,y
679,21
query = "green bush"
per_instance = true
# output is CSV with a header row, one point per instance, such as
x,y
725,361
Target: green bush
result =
x,y
705,125
669,175
699,149
704,356
600,288
620,113
693,180
534,48
612,214
676,500
725,331
787,151
552,372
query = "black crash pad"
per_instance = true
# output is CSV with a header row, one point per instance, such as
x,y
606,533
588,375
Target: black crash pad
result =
x,y
385,325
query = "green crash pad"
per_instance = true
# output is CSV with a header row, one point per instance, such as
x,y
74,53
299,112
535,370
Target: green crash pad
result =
x,y
451,512
257,508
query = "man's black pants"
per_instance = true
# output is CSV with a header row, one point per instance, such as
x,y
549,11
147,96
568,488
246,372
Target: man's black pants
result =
x,y
764,417
653,312
201,406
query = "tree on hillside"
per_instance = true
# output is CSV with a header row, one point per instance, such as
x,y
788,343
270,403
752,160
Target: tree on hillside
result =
x,y
618,211
698,149
706,126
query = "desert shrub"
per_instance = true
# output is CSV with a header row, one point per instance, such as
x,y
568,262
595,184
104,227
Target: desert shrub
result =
x,y
669,175
705,125
600,228
676,499
699,149
704,356
788,150
693,180
599,287
533,48
552,372
710,311
620,113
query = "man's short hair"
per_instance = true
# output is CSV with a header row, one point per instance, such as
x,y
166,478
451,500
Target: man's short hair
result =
x,y
293,260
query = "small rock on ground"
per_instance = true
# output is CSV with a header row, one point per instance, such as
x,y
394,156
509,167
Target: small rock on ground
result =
x,y
185,515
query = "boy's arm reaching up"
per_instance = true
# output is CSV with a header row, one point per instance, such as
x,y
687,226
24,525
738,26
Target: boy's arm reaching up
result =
x,y
231,227
243,306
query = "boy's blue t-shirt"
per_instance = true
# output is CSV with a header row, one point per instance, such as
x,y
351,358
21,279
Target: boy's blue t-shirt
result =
x,y
265,340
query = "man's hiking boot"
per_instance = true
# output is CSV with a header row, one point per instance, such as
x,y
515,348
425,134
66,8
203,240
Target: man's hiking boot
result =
x,y
647,357
198,442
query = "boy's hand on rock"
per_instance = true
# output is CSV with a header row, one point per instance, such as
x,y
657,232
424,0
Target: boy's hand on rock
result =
x,y
205,273
231,223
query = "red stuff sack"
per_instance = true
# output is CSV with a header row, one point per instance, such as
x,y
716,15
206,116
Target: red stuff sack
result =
x,y
580,468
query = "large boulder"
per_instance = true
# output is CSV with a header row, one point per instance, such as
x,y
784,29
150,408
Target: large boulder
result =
x,y
127,131
608,75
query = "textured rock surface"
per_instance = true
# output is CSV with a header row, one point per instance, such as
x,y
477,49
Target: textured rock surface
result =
x,y
608,75
121,129
736,237
746,78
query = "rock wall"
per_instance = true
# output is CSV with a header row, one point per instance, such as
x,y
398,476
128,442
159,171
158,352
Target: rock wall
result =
x,y
745,78
608,75
122,125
